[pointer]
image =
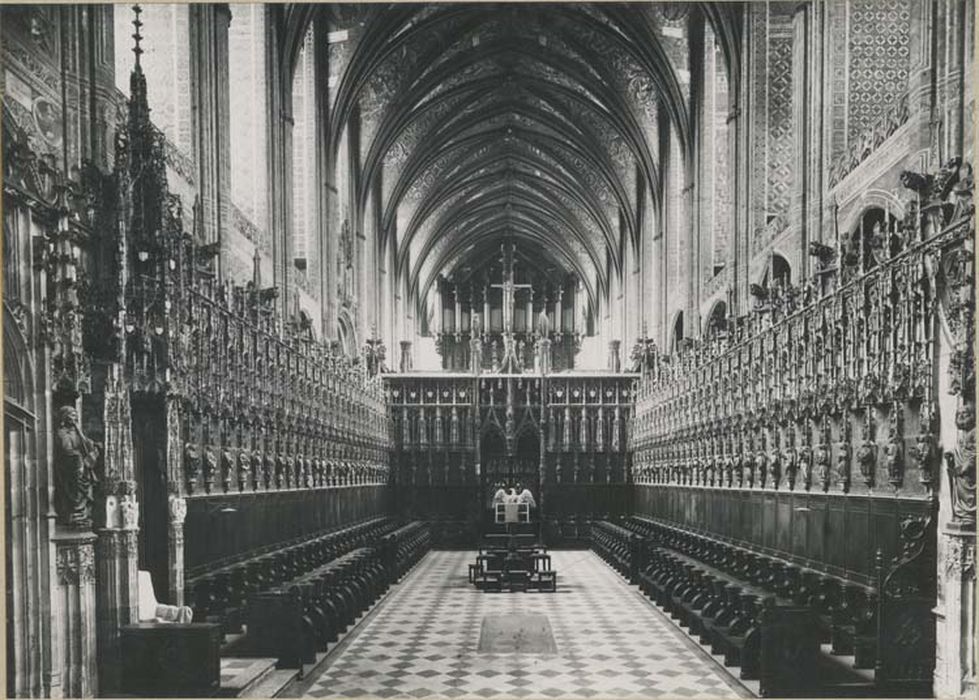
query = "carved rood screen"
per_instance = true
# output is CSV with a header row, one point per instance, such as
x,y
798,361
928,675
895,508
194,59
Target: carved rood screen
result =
x,y
835,393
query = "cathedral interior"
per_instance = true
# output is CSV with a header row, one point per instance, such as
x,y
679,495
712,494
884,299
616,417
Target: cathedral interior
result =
x,y
478,351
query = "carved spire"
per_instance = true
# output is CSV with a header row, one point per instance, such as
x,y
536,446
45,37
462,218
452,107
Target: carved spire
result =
x,y
137,37
139,107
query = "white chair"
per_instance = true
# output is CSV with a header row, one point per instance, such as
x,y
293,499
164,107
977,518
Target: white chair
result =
x,y
150,610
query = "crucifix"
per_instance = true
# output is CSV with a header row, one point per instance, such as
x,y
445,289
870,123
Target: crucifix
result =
x,y
509,287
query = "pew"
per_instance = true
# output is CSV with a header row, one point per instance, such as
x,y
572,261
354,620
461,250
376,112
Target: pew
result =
x,y
404,547
768,615
221,595
304,615
615,545
710,591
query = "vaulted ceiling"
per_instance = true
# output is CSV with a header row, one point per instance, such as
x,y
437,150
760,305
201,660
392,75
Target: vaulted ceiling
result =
x,y
484,121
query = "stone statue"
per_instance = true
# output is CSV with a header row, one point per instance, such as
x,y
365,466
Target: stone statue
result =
x,y
846,452
75,460
893,460
192,462
761,461
867,458
924,447
805,465
822,459
962,467
244,466
210,465
129,510
543,324
789,459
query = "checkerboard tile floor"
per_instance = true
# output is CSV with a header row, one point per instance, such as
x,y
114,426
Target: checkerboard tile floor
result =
x,y
611,643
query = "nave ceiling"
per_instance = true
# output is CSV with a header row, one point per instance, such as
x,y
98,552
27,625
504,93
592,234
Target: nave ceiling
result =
x,y
479,123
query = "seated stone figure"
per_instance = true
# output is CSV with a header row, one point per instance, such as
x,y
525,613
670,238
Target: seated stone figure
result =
x,y
152,611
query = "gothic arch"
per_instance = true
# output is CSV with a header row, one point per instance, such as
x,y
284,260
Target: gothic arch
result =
x,y
677,333
873,199
24,505
777,267
347,332
18,372
715,317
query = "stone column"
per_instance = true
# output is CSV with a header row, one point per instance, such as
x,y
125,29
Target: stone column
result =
x,y
222,118
955,660
210,100
279,103
801,145
118,595
175,544
953,77
614,361
75,610
405,355
117,546
544,356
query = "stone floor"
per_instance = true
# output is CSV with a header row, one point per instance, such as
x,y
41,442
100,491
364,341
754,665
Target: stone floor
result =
x,y
424,641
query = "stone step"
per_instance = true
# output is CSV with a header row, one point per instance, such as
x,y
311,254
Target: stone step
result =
x,y
239,675
272,684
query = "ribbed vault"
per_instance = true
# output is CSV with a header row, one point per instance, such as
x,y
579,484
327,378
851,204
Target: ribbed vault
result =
x,y
537,123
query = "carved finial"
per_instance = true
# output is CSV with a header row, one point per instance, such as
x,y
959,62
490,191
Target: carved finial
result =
x,y
137,37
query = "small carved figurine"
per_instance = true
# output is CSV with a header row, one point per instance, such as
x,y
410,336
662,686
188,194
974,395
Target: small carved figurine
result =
x,y
867,459
893,458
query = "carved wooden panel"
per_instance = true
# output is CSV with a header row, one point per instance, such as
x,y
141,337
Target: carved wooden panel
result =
x,y
835,534
220,528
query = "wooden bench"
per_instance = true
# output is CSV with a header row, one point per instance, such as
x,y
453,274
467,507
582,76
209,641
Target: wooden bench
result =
x,y
404,547
295,620
221,595
707,590
616,545
756,609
